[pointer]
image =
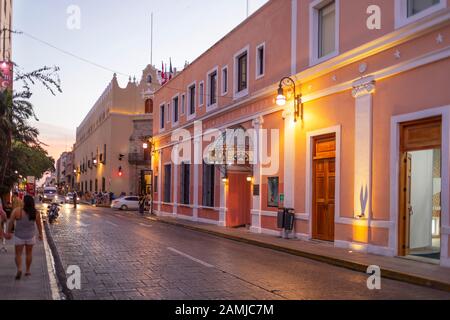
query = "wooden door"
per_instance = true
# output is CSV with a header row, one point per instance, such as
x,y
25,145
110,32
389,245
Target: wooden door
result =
x,y
324,178
239,196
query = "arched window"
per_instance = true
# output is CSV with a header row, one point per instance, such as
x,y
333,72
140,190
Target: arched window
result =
x,y
149,79
149,106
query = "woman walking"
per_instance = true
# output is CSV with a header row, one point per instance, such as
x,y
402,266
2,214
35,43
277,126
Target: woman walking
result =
x,y
26,220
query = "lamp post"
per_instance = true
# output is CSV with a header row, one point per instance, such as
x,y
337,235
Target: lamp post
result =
x,y
281,98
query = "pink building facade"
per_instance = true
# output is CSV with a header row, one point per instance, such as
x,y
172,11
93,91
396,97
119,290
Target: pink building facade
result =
x,y
363,159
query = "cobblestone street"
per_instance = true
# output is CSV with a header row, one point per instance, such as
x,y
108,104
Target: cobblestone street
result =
x,y
125,257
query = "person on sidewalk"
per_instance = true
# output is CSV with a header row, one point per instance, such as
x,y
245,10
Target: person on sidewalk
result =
x,y
26,220
16,202
3,219
141,204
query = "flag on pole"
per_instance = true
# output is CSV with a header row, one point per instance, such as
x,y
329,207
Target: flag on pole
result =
x,y
171,70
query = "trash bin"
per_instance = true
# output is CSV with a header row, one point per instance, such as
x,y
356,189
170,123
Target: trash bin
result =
x,y
289,219
280,218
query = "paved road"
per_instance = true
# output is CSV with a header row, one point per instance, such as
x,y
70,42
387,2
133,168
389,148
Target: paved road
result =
x,y
125,257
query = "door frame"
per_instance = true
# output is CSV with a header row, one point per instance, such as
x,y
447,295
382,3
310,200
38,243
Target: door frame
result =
x,y
404,224
444,112
309,175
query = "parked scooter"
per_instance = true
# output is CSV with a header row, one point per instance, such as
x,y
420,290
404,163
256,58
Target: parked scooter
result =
x,y
53,212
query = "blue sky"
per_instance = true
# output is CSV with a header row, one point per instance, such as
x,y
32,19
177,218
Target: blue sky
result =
x,y
116,34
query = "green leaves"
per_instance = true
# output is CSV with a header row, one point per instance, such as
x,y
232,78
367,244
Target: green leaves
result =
x,y
20,147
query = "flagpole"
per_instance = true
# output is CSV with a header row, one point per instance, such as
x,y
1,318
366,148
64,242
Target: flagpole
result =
x,y
247,8
151,40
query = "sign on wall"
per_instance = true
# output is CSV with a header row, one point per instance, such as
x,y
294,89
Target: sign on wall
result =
x,y
6,76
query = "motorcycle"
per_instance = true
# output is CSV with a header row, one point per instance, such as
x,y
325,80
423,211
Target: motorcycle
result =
x,y
53,212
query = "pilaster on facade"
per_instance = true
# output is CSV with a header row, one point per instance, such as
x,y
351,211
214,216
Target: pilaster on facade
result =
x,y
257,124
160,154
363,90
197,166
175,156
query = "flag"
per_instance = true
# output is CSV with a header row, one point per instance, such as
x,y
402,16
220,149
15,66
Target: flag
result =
x,y
163,74
171,70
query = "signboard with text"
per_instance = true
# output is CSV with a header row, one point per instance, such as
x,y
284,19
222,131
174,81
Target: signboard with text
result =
x,y
6,75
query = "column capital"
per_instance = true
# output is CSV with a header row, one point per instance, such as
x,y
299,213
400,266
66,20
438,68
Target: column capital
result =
x,y
257,122
363,86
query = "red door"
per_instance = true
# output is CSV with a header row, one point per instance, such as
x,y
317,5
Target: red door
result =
x,y
239,193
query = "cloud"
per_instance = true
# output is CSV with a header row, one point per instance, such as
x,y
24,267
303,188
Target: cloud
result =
x,y
58,139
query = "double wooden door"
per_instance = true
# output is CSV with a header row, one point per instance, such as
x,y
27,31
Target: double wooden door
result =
x,y
324,181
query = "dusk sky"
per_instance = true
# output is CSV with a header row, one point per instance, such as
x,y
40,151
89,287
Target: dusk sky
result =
x,y
183,29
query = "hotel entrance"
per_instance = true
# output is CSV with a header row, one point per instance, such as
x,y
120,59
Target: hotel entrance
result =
x,y
420,189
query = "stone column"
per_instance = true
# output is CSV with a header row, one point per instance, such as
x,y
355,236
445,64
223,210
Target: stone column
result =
x,y
362,92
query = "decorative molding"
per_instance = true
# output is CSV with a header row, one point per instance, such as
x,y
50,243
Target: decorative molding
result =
x,y
363,87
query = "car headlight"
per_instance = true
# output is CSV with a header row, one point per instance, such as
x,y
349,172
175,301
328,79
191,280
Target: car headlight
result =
x,y
67,198
78,199
56,197
45,197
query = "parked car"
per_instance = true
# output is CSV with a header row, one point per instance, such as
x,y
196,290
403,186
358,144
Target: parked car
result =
x,y
50,195
126,203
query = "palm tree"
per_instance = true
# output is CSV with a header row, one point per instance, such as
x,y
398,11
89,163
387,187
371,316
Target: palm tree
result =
x,y
16,110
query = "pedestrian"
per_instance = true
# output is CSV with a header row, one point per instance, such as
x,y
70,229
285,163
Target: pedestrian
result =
x,y
141,204
75,198
16,202
26,219
3,219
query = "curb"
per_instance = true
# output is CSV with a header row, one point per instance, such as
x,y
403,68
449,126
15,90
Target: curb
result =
x,y
60,272
355,266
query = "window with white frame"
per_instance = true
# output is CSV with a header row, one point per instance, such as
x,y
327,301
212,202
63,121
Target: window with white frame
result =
x,y
168,113
241,72
176,109
162,114
224,80
183,103
201,93
408,11
242,62
324,30
212,88
260,60
191,99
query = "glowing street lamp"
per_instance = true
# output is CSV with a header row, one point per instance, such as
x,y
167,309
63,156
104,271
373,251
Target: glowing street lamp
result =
x,y
281,98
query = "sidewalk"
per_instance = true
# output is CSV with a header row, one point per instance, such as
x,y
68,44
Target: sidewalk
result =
x,y
414,272
36,287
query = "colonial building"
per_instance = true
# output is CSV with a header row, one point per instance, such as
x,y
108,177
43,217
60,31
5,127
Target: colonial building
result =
x,y
359,148
103,157
65,172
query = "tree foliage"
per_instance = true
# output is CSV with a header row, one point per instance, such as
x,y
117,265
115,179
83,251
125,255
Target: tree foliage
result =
x,y
18,139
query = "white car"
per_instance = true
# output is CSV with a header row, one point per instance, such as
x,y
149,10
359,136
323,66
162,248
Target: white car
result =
x,y
126,203
50,195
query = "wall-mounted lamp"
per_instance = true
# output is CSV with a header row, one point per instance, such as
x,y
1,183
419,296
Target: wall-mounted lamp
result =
x,y
225,179
249,178
281,98
95,162
145,145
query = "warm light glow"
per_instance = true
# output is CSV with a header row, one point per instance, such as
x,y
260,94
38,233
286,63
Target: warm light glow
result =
x,y
224,179
145,146
95,161
281,100
249,179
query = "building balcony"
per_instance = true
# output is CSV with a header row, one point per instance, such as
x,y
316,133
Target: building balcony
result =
x,y
138,159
